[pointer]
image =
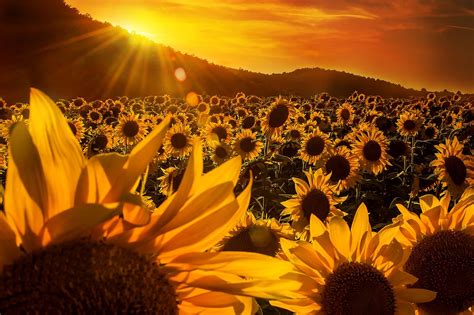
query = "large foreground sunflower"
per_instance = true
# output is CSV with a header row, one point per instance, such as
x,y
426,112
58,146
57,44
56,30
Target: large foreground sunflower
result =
x,y
454,169
442,251
79,242
352,271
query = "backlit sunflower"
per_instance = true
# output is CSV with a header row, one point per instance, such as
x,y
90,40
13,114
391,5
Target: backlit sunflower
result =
x,y
294,132
6,126
371,148
203,108
345,114
256,236
220,132
442,251
314,146
77,128
170,180
220,152
248,122
94,117
101,139
178,141
409,123
130,129
279,113
344,168
454,169
430,131
314,197
352,271
79,239
246,145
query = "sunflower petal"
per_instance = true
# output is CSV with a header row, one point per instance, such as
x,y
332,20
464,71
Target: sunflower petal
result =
x,y
340,235
9,251
415,295
360,226
59,150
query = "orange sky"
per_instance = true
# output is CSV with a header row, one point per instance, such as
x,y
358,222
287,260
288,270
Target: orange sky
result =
x,y
417,43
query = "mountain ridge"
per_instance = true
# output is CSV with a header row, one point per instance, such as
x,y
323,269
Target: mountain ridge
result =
x,y
54,47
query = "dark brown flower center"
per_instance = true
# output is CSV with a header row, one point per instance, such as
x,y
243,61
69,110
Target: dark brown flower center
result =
x,y
278,116
358,289
295,134
315,146
256,239
430,132
130,129
316,202
220,152
397,148
345,114
409,125
444,263
84,277
248,122
221,132
247,145
179,140
99,142
339,167
372,151
456,169
94,116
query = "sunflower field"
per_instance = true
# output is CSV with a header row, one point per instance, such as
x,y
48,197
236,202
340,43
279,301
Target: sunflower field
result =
x,y
237,205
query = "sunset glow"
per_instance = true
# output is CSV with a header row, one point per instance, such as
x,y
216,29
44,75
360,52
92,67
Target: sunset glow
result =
x,y
417,44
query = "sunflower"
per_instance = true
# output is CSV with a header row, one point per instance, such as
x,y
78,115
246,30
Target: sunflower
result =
x,y
3,157
371,147
6,126
430,131
409,123
178,141
170,180
343,167
294,132
248,122
314,146
220,132
130,129
315,197
256,236
345,114
351,271
246,145
101,139
279,113
82,243
94,117
220,152
442,251
454,169
203,108
77,127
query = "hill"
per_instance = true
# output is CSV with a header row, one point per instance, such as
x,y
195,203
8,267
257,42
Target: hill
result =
x,y
49,45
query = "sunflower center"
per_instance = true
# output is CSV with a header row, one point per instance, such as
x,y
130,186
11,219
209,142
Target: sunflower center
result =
x,y
444,262
221,132
430,132
220,152
456,169
315,145
179,140
316,202
358,289
247,145
397,148
345,114
256,239
83,276
409,125
339,167
248,122
202,107
99,142
295,134
130,129
278,116
372,151
72,127
94,116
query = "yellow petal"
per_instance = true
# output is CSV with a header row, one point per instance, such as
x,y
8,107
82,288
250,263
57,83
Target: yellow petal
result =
x,y
133,211
61,155
78,222
340,235
9,251
415,295
360,226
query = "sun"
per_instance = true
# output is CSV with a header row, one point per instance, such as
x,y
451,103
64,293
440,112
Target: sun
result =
x,y
136,30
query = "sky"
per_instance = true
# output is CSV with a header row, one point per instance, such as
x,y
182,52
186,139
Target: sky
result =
x,y
416,43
